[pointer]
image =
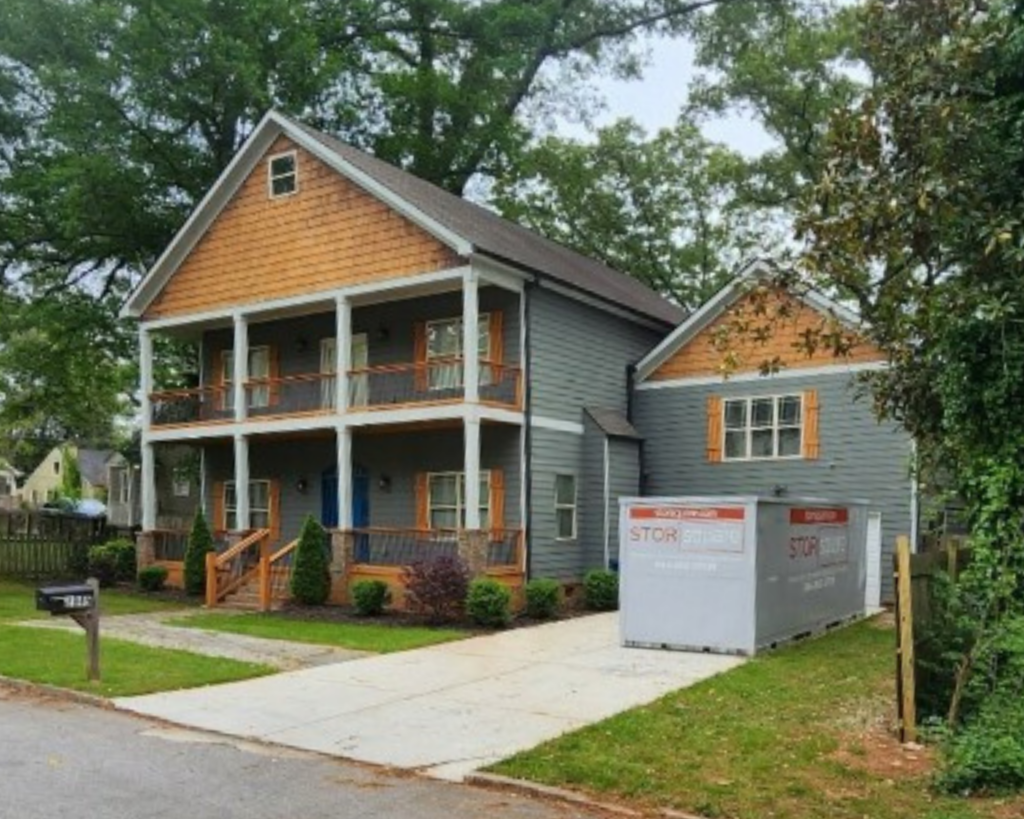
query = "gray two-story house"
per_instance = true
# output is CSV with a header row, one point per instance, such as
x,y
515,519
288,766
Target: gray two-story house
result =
x,y
425,378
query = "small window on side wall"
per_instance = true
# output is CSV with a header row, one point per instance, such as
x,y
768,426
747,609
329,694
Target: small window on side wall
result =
x,y
283,175
565,507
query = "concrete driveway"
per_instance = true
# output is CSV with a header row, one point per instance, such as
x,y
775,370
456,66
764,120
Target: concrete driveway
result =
x,y
445,710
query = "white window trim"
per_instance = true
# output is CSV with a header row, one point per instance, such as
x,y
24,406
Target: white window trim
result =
x,y
749,429
485,497
228,508
123,487
483,319
271,177
227,378
574,506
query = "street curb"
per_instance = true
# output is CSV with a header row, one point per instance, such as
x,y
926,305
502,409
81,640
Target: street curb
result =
x,y
546,791
55,692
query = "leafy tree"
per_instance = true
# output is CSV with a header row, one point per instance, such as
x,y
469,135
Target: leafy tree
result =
x,y
665,209
311,575
200,543
71,475
918,219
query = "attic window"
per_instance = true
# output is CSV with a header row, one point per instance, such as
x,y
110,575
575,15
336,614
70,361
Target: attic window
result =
x,y
283,175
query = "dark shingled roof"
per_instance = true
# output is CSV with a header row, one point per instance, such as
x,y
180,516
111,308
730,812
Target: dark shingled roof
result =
x,y
612,423
92,463
504,240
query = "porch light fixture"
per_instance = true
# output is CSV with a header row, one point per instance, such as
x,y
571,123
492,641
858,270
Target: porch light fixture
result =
x,y
301,485
384,483
779,490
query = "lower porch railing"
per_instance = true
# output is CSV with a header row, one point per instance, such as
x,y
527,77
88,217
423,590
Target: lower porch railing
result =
x,y
403,547
276,575
231,569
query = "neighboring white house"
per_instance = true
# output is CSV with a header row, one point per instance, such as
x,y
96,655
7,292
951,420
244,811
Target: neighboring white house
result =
x,y
10,496
46,480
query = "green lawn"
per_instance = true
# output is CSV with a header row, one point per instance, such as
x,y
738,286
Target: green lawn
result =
x,y
795,734
382,639
58,658
18,602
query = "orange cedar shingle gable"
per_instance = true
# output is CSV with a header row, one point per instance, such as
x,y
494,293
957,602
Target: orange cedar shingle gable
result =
x,y
788,317
331,233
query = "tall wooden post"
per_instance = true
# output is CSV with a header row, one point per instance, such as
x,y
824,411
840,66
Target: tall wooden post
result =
x,y
906,704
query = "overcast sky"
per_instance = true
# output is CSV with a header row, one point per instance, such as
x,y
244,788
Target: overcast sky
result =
x,y
655,100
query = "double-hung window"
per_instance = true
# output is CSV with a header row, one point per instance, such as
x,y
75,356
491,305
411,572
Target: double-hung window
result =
x,y
259,369
565,507
763,428
446,493
259,506
445,353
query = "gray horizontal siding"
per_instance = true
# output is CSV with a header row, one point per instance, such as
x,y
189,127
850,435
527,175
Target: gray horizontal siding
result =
x,y
555,453
579,356
399,457
860,458
623,482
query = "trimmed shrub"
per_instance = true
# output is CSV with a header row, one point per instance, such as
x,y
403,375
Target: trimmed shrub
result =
x,y
370,597
437,587
601,590
488,603
311,576
542,598
103,565
112,562
152,578
200,543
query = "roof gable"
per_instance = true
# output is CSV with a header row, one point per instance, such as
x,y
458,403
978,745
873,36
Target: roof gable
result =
x,y
690,349
464,227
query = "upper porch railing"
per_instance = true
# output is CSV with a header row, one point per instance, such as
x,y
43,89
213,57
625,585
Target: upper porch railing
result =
x,y
388,386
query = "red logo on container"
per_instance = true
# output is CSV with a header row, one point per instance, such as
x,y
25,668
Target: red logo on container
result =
x,y
817,515
688,512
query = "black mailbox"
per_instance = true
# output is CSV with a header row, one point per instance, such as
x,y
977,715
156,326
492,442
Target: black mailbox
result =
x,y
65,599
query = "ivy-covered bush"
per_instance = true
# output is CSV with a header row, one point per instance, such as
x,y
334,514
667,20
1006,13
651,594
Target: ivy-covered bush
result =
x,y
542,597
370,597
488,603
153,578
437,587
200,543
311,575
601,590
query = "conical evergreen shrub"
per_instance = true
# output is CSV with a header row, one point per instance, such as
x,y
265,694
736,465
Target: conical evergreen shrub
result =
x,y
200,543
311,575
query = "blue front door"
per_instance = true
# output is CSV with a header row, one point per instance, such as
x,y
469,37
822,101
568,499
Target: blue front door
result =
x,y
360,498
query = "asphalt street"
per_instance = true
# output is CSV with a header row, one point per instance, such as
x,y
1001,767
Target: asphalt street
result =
x,y
62,759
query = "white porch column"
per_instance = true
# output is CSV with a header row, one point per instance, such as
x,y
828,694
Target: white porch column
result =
x,y
241,482
470,337
146,375
241,368
342,353
472,466
344,478
148,487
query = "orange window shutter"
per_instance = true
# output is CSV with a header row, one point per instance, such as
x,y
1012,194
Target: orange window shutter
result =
x,y
419,353
220,522
274,371
497,499
715,433
812,437
275,510
422,502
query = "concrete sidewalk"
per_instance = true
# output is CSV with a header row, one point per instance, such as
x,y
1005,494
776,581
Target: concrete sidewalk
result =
x,y
445,710
152,630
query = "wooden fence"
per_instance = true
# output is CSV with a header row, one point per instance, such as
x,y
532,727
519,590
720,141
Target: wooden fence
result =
x,y
39,545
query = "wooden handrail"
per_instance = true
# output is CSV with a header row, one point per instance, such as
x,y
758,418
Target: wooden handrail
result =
x,y
285,379
283,551
266,567
241,546
186,393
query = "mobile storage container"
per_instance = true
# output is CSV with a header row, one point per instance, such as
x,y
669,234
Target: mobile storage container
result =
x,y
738,574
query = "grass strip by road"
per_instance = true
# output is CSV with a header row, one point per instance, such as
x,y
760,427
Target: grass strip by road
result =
x,y
58,658
382,639
801,733
18,602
